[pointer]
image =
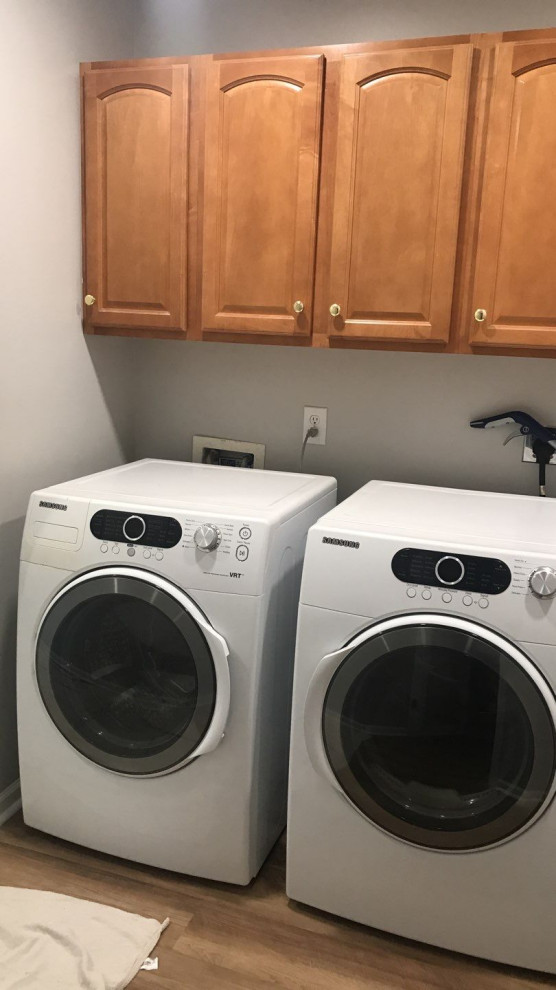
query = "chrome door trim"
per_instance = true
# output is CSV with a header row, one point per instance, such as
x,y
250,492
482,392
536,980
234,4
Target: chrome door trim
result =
x,y
329,664
216,644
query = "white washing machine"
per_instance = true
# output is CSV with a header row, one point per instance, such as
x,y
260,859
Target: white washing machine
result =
x,y
422,765
156,632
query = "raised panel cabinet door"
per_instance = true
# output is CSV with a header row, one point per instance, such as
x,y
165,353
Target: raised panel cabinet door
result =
x,y
399,165
263,118
135,145
515,273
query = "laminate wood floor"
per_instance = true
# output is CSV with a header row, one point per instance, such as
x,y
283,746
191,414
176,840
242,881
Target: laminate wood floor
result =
x,y
229,938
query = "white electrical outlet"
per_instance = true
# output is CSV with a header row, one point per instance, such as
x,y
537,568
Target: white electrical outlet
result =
x,y
315,416
528,455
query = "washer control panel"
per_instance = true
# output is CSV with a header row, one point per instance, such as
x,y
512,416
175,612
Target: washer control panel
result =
x,y
461,572
142,528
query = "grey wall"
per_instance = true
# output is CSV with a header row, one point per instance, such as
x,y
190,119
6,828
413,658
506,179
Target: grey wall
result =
x,y
179,27
65,402
395,416
402,417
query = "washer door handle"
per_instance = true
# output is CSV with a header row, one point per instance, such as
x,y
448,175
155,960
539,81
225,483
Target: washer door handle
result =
x,y
215,731
312,716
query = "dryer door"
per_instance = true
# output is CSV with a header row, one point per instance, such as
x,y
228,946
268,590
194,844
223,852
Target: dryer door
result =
x,y
438,730
131,672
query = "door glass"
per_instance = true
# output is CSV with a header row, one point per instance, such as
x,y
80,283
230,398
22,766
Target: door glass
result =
x,y
126,674
439,737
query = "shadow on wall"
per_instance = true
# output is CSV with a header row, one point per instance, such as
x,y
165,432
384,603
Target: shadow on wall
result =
x,y
178,27
10,542
109,358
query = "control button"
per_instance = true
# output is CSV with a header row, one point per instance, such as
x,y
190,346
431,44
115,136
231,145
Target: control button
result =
x,y
483,603
244,533
467,600
446,597
207,537
134,528
159,555
242,552
411,592
426,594
104,548
542,582
449,570
115,549
131,551
146,554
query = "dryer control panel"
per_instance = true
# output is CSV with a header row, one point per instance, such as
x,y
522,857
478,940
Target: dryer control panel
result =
x,y
445,569
372,575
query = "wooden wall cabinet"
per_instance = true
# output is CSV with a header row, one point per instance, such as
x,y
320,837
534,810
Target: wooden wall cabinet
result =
x,y
399,166
135,202
515,275
372,195
261,169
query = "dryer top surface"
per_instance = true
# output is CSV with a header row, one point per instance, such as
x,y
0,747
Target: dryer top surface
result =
x,y
492,519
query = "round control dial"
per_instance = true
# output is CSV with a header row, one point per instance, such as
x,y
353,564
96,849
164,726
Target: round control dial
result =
x,y
207,537
542,582
449,570
134,528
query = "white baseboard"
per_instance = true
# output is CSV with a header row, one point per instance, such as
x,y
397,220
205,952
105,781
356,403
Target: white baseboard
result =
x,y
10,801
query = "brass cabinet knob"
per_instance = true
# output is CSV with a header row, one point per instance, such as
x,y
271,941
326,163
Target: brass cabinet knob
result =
x,y
298,306
480,315
89,300
335,309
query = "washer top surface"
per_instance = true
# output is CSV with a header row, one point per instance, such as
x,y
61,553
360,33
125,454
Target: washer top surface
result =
x,y
183,483
472,517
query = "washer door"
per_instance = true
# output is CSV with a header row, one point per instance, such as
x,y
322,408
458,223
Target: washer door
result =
x,y
131,672
438,730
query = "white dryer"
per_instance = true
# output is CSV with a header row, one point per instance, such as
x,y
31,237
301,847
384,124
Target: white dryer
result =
x,y
423,755
156,631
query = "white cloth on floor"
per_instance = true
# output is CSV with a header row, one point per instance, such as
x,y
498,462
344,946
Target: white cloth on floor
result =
x,y
53,942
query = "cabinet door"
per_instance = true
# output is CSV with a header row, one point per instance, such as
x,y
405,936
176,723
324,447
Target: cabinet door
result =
x,y
399,164
515,281
260,199
135,143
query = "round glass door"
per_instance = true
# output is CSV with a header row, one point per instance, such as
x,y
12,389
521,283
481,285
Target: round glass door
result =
x,y
439,734
126,672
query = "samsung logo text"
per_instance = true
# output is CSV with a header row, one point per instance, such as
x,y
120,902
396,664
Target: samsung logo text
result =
x,y
341,543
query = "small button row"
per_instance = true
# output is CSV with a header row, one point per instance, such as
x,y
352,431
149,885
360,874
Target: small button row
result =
x,y
426,595
131,551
